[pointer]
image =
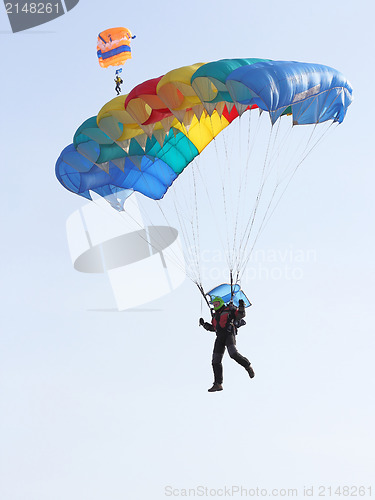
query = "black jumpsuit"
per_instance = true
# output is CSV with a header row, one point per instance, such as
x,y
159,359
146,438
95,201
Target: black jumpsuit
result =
x,y
118,82
222,324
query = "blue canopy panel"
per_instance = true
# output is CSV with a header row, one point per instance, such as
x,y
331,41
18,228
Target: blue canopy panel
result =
x,y
69,168
315,93
113,52
224,291
145,174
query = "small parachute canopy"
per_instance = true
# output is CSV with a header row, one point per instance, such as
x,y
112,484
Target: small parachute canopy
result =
x,y
224,291
113,47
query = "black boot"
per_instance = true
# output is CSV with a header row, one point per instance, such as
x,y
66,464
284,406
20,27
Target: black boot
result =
x,y
250,371
216,387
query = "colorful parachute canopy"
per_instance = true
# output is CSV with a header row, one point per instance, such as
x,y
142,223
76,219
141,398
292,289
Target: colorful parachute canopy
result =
x,y
225,292
143,141
113,47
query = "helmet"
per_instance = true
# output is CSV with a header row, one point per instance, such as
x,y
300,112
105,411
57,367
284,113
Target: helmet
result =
x,y
220,302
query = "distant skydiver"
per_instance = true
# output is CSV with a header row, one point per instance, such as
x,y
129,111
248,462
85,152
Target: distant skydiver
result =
x,y
225,322
118,82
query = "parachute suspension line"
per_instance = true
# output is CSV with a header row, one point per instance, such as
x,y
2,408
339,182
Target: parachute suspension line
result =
x,y
184,232
223,189
227,193
182,219
159,205
261,184
189,248
173,257
195,223
162,238
237,196
265,175
225,203
193,244
276,151
191,238
248,166
231,286
176,262
245,261
200,288
195,217
195,228
250,224
231,187
251,143
291,166
274,155
235,186
191,253
305,155
212,209
145,216
265,218
297,158
232,183
241,184
191,257
284,145
243,187
228,197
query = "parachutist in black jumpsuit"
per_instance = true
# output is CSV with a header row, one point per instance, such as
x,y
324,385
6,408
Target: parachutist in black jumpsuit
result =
x,y
118,82
224,324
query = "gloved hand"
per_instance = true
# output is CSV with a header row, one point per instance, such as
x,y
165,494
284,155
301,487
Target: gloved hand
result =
x,y
201,321
241,303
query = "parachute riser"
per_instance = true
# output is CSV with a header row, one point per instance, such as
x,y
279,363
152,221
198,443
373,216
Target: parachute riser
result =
x,y
200,288
231,287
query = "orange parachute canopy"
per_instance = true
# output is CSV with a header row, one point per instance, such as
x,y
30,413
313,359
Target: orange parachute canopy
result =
x,y
113,47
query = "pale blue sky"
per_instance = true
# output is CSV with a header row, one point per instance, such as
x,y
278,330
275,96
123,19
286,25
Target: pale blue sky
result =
x,y
101,404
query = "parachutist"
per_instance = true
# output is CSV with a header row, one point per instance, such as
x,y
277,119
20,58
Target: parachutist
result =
x,y
118,82
225,321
